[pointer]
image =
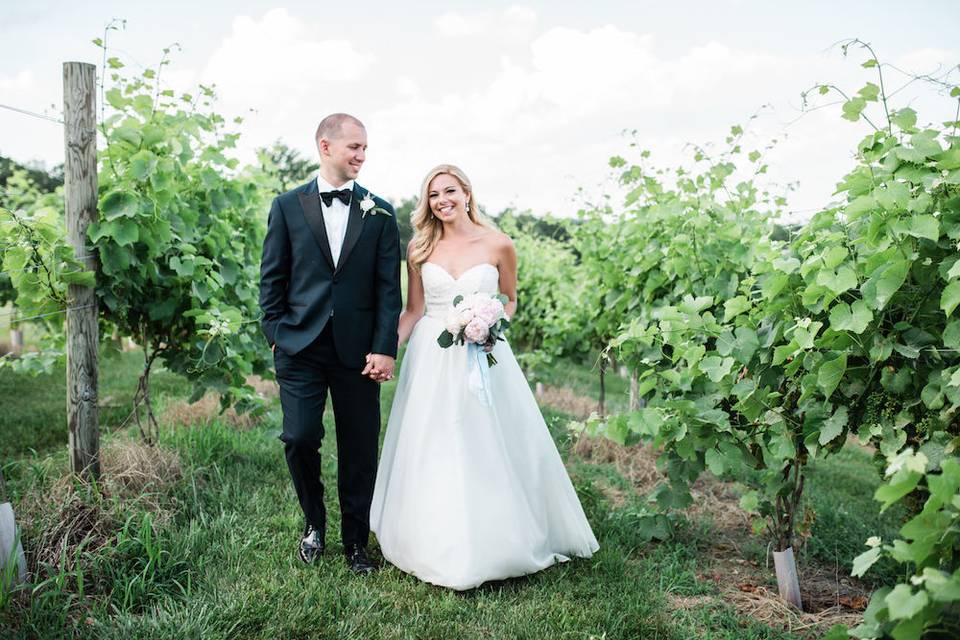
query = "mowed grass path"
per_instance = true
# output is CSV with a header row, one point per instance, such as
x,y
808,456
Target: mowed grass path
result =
x,y
223,564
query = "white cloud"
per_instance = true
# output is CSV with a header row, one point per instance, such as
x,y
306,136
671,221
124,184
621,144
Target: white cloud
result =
x,y
179,79
455,25
277,57
519,14
518,22
515,21
26,138
547,122
18,82
532,111
928,61
407,86
282,77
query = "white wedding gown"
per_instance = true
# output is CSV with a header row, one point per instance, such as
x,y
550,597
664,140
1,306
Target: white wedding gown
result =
x,y
465,492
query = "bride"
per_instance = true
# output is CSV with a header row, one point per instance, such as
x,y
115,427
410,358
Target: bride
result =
x,y
466,492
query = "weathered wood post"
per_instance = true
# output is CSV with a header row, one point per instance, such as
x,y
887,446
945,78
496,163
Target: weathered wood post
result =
x,y
16,334
634,391
80,182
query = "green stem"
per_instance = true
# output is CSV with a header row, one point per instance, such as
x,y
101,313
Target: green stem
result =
x,y
883,92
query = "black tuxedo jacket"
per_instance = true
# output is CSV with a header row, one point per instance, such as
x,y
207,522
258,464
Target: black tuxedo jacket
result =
x,y
301,289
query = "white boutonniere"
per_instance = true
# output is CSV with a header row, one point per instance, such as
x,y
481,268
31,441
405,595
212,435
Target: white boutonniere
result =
x,y
367,205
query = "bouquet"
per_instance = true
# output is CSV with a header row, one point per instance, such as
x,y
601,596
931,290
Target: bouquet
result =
x,y
477,319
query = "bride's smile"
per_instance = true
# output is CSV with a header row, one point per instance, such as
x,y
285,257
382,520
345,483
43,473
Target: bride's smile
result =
x,y
448,201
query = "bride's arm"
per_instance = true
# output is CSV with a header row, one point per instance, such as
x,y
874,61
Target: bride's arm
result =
x,y
508,274
415,303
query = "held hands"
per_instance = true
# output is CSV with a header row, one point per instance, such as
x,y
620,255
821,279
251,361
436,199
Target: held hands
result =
x,y
379,367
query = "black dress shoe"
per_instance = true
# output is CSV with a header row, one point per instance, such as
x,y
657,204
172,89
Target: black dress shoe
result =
x,y
357,559
311,545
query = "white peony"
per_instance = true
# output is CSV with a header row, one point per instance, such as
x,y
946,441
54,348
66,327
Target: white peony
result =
x,y
452,322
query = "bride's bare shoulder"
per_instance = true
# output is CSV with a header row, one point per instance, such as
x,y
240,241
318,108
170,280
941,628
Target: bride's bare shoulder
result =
x,y
497,240
500,245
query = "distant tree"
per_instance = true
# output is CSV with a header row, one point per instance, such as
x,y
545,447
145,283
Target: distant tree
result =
x,y
542,226
285,164
404,209
45,180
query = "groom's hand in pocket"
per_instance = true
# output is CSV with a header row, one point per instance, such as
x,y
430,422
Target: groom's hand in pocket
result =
x,y
379,367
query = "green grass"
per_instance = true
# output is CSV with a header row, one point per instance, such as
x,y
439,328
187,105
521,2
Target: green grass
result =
x,y
229,570
840,490
223,566
226,569
34,415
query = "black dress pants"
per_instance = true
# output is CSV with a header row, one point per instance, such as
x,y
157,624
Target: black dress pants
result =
x,y
304,381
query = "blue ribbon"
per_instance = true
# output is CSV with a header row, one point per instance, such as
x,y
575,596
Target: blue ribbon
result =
x,y
478,380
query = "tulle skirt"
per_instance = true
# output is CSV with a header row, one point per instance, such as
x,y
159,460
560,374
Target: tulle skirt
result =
x,y
466,492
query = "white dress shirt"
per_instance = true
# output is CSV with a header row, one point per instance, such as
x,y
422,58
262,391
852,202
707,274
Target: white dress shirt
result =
x,y
335,216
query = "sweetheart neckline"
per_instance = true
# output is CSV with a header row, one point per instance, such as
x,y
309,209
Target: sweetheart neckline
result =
x,y
464,272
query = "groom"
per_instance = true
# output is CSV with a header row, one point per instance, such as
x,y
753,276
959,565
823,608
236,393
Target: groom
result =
x,y
330,294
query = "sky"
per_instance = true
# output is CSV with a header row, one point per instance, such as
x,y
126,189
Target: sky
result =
x,y
530,99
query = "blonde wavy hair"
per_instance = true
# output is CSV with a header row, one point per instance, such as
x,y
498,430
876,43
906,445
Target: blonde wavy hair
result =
x,y
427,228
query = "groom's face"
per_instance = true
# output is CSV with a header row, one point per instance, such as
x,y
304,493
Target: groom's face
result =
x,y
345,152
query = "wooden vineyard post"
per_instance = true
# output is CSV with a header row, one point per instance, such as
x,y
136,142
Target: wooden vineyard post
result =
x,y
80,182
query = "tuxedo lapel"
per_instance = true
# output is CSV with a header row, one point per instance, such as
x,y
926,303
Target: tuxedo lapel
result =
x,y
310,202
354,225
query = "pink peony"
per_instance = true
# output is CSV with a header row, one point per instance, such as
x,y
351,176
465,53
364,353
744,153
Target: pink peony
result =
x,y
491,313
477,331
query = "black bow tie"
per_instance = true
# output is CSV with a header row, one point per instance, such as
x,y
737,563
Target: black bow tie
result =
x,y
327,196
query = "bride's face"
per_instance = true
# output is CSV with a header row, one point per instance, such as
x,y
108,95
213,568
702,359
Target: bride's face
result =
x,y
447,198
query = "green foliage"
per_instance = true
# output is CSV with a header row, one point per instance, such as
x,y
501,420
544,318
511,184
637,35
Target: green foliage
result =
x,y
177,239
179,235
758,354
549,290
36,265
36,256
17,183
676,274
927,603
